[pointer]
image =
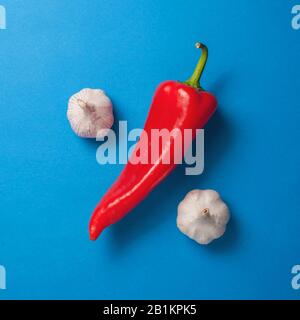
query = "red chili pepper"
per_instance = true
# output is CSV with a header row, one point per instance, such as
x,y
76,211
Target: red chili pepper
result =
x,y
175,105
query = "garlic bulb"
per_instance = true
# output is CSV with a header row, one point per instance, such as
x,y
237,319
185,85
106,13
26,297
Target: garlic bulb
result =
x,y
202,216
90,113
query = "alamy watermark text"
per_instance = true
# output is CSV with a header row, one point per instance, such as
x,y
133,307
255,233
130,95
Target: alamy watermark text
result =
x,y
296,17
153,146
296,277
2,278
2,17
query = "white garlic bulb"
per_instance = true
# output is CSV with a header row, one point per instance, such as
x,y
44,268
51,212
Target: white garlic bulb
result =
x,y
90,113
203,216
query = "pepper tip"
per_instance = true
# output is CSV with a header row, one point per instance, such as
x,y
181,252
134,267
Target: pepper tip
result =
x,y
93,234
93,238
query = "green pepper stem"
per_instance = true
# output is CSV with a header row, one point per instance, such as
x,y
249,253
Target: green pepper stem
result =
x,y
194,80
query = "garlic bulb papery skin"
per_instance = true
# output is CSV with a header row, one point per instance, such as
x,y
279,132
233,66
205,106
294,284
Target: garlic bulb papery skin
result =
x,y
90,113
203,216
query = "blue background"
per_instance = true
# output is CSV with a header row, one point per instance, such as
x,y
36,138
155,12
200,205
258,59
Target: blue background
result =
x,y
50,180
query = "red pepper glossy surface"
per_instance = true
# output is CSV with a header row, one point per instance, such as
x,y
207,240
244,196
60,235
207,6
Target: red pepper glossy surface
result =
x,y
177,106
